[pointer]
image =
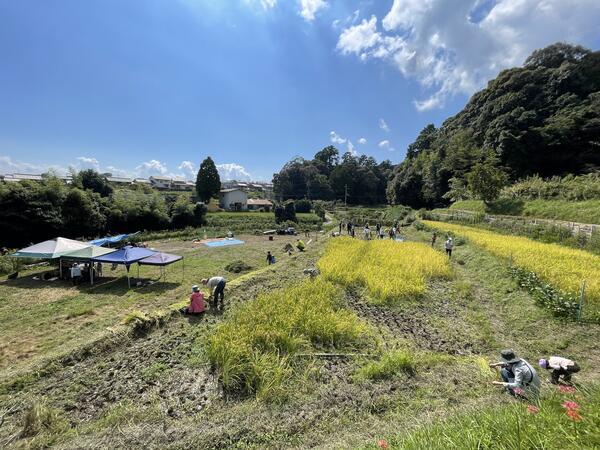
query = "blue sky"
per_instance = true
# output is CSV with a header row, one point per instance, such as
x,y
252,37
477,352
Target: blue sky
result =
x,y
146,87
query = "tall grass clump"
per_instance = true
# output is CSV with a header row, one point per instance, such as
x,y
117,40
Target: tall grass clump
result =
x,y
391,364
391,271
564,268
559,421
253,350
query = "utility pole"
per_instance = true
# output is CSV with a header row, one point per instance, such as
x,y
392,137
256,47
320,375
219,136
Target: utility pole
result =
x,y
345,195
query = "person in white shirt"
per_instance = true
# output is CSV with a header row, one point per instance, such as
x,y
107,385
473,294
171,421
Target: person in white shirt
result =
x,y
560,367
75,274
217,290
449,245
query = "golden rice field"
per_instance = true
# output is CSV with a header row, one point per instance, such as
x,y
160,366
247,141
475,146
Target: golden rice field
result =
x,y
391,271
564,268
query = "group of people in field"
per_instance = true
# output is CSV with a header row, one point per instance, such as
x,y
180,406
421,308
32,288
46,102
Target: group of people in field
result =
x,y
520,379
367,233
216,286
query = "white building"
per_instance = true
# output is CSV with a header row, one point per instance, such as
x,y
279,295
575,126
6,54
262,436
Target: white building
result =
x,y
159,182
257,204
233,200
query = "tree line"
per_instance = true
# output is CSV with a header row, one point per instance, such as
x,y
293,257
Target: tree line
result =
x,y
356,179
33,211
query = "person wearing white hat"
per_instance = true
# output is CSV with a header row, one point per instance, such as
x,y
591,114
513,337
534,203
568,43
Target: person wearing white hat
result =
x,y
196,302
448,246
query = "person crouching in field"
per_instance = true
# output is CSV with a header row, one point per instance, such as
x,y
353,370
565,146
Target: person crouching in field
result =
x,y
433,238
196,302
518,376
217,289
561,367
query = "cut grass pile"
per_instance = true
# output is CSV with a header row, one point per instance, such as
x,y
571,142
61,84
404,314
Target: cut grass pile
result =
x,y
391,271
254,348
563,267
561,420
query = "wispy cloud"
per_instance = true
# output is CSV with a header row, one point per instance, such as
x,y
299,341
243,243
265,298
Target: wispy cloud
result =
x,y
386,145
383,125
309,8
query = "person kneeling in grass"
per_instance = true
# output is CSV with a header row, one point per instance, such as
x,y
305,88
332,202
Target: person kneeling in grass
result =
x,y
518,376
300,245
196,302
217,289
560,367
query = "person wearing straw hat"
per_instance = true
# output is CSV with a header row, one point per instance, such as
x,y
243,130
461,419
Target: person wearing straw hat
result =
x,y
518,376
196,302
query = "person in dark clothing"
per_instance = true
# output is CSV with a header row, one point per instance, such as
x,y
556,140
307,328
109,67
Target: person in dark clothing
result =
x,y
349,228
270,258
433,238
560,367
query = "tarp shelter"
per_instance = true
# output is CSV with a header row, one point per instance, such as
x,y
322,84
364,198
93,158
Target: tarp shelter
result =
x,y
110,240
161,259
54,248
125,256
86,254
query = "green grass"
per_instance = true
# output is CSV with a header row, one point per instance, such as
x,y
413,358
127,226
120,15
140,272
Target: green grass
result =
x,y
587,211
41,320
515,426
392,364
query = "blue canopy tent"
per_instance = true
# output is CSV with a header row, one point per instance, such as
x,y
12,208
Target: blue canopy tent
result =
x,y
126,256
162,260
111,240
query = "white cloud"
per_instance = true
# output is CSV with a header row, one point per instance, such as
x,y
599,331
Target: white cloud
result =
x,y
362,141
233,171
7,165
309,8
350,148
456,47
386,145
88,163
383,125
267,4
336,138
152,167
188,167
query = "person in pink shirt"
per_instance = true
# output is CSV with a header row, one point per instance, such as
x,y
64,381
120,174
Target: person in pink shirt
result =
x,y
196,302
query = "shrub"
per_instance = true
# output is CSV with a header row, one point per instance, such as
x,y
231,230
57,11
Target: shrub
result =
x,y
302,206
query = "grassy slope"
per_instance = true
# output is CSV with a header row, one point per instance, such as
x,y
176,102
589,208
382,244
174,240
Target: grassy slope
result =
x,y
584,211
152,398
41,319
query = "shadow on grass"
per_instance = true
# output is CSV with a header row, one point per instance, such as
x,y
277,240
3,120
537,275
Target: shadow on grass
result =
x,y
105,285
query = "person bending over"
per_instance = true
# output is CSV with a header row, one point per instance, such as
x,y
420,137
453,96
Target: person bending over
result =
x,y
560,367
518,376
217,289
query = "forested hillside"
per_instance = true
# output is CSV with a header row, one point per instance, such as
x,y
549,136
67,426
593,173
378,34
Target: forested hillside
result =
x,y
540,119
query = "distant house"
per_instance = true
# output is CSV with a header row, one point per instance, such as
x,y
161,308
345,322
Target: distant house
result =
x,y
233,200
159,182
121,181
179,184
255,204
144,181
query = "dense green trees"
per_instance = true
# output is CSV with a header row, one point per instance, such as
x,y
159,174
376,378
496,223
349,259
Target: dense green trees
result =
x,y
540,119
358,178
35,211
208,182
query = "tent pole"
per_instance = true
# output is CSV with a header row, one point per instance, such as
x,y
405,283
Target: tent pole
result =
x,y
60,267
92,274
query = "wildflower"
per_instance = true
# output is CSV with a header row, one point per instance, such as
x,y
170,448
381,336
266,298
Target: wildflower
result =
x,y
519,391
533,409
573,415
382,443
570,405
566,389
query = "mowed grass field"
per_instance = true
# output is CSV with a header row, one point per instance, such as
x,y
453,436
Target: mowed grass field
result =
x,y
41,319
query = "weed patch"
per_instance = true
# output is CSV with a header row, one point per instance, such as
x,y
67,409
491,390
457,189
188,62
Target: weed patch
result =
x,y
392,364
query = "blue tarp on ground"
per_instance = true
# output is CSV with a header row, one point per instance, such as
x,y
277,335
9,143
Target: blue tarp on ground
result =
x,y
160,259
223,243
109,240
127,256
